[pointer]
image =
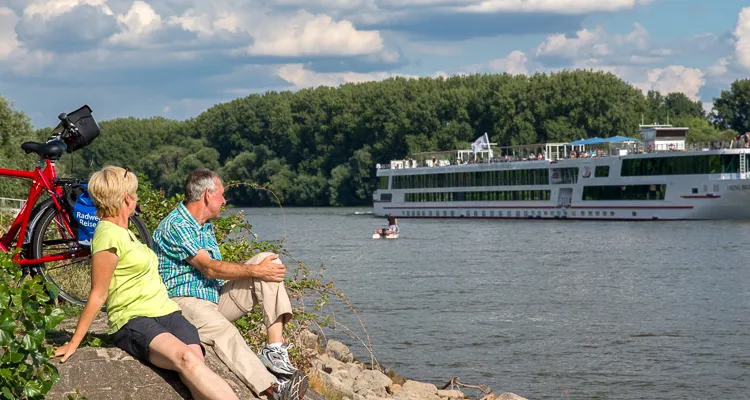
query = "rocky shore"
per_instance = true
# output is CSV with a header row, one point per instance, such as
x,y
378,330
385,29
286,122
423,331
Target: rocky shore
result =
x,y
107,373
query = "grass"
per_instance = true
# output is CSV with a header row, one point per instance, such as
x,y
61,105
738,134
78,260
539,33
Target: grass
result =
x,y
317,384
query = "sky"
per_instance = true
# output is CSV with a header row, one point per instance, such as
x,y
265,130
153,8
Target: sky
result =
x,y
177,58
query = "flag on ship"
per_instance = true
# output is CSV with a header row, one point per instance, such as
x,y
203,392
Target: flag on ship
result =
x,y
483,143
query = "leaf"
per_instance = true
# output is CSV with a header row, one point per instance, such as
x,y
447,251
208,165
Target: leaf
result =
x,y
54,318
32,389
5,373
4,296
7,393
5,338
7,322
52,289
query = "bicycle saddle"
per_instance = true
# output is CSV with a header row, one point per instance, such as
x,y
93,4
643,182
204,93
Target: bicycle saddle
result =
x,y
50,150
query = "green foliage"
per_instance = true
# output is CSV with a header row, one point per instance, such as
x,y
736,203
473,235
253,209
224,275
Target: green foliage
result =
x,y
732,108
15,128
319,146
26,314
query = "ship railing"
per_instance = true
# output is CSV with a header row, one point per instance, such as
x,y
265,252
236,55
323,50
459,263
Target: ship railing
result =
x,y
590,153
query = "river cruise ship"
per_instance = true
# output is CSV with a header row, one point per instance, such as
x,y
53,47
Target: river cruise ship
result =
x,y
659,177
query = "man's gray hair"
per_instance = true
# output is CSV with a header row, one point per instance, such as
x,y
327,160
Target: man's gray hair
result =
x,y
200,180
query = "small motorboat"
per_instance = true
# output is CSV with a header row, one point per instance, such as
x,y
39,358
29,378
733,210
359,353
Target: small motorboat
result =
x,y
384,233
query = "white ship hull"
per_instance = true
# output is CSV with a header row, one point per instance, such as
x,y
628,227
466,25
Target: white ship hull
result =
x,y
708,196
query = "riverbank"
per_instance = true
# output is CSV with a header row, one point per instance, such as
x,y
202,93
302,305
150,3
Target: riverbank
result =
x,y
102,371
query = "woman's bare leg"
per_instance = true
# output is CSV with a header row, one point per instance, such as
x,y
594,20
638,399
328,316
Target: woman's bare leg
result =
x,y
168,352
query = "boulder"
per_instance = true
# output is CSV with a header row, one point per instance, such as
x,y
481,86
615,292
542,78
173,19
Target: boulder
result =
x,y
372,381
451,394
510,396
339,351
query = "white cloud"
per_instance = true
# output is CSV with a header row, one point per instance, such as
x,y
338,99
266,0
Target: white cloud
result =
x,y
597,43
48,9
585,42
718,69
514,63
8,37
139,21
308,34
674,78
555,6
300,77
742,33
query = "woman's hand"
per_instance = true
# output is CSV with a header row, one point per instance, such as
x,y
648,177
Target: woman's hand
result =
x,y
66,351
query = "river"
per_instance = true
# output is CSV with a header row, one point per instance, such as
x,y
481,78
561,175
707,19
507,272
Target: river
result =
x,y
544,309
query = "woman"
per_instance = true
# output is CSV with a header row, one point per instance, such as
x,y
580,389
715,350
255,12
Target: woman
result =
x,y
143,320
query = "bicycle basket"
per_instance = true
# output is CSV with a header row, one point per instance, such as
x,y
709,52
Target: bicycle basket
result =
x,y
86,126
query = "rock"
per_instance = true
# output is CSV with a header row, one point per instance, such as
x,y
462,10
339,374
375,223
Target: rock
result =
x,y
334,384
109,373
309,340
510,396
420,388
339,351
372,381
451,394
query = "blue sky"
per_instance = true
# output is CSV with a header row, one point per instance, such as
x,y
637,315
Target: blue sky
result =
x,y
176,58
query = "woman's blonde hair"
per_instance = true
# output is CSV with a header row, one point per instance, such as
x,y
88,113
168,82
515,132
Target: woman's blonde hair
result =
x,y
107,188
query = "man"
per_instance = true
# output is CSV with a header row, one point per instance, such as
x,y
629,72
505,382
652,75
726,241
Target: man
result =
x,y
214,293
392,223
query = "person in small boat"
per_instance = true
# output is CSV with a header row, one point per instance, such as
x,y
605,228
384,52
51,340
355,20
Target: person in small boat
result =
x,y
392,223
143,320
383,232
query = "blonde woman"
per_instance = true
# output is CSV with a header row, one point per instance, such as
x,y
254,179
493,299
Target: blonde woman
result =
x,y
143,320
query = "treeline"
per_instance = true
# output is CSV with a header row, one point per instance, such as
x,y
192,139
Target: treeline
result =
x,y
319,146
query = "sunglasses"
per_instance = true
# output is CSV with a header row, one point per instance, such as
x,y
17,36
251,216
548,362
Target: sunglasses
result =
x,y
127,169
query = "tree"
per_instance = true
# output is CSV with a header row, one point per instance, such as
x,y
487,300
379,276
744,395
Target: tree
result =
x,y
732,108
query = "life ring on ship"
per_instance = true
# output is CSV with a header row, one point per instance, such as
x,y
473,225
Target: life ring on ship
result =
x,y
555,175
671,147
586,171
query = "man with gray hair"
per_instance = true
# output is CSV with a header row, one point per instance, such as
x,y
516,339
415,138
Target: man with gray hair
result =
x,y
214,293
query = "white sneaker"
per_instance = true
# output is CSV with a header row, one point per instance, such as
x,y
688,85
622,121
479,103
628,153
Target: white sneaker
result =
x,y
276,359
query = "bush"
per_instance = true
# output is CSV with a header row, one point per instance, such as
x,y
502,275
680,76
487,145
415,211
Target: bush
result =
x,y
26,314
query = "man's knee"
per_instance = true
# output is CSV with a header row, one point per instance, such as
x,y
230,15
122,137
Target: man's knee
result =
x,y
256,259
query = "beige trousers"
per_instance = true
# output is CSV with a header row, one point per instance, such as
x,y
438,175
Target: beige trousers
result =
x,y
214,323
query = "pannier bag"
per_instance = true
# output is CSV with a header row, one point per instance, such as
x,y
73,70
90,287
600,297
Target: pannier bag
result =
x,y
88,129
84,214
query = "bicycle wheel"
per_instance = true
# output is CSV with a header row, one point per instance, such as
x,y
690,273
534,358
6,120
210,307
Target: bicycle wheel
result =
x,y
72,276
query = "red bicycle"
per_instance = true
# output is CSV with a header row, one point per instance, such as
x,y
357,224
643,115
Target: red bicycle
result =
x,y
44,233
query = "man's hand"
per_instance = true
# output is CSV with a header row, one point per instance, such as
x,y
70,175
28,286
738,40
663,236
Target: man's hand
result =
x,y
269,269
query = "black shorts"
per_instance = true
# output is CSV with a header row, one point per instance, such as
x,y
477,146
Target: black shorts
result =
x,y
136,335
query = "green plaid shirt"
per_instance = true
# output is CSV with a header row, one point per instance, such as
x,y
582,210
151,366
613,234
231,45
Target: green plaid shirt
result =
x,y
178,237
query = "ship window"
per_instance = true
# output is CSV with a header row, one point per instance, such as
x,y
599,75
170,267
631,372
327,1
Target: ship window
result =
x,y
476,213
635,213
602,171
695,190
611,213
386,196
545,213
624,192
383,182
716,188
591,213
492,213
453,213
484,213
445,213
574,213
597,213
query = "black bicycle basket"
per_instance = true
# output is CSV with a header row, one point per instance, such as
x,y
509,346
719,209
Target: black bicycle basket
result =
x,y
86,129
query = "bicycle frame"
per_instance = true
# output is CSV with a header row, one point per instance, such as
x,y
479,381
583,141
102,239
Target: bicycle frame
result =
x,y
43,179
